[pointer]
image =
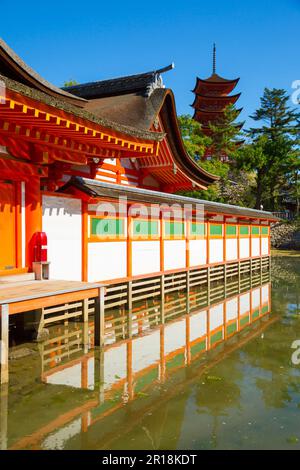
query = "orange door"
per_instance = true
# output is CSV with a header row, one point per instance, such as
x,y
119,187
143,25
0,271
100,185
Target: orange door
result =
x,y
7,226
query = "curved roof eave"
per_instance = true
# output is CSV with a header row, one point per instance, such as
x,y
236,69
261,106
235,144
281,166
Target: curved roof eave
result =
x,y
169,117
67,107
216,80
26,75
230,98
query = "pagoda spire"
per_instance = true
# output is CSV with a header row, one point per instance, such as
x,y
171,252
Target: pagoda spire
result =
x,y
214,58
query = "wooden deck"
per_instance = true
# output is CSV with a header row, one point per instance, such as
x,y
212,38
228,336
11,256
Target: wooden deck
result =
x,y
24,296
29,295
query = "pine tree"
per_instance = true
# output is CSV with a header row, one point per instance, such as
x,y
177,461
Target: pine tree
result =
x,y
273,150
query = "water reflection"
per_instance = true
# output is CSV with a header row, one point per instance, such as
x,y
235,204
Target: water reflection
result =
x,y
161,371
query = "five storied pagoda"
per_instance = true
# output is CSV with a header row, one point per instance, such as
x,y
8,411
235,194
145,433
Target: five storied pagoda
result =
x,y
212,96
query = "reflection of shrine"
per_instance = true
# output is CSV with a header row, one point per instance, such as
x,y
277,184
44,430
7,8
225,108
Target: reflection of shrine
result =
x,y
160,340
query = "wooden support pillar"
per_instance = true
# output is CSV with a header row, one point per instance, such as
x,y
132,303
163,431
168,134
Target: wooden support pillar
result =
x,y
99,373
4,343
239,275
100,318
129,309
162,298
84,241
130,388
250,272
129,244
162,362
3,416
187,341
33,211
161,243
208,285
85,312
188,292
225,279
261,270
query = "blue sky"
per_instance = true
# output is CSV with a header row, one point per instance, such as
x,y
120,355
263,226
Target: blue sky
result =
x,y
93,40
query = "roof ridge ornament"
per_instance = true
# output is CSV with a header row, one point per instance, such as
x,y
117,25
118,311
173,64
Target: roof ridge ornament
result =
x,y
157,81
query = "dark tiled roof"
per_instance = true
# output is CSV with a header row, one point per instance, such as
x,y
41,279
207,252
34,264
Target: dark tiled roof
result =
x,y
140,83
100,189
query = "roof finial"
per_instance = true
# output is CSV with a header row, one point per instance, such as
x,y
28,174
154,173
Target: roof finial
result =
x,y
214,58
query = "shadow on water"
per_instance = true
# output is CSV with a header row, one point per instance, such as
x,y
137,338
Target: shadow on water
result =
x,y
213,370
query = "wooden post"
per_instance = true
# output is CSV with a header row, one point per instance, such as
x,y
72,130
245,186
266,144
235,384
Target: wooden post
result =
x,y
39,323
99,373
85,312
100,318
187,341
188,291
208,285
130,387
3,416
250,272
4,342
129,309
261,270
239,274
162,362
225,279
162,298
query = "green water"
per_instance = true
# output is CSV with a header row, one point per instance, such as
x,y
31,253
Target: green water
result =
x,y
242,393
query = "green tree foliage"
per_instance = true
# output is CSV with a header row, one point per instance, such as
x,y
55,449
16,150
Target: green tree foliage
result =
x,y
234,187
70,82
225,134
273,149
194,140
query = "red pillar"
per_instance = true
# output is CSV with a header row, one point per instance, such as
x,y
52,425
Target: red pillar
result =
x,y
33,211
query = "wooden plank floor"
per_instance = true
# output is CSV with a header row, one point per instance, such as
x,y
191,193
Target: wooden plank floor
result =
x,y
33,293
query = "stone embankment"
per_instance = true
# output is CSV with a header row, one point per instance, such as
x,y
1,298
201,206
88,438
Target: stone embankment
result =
x,y
285,235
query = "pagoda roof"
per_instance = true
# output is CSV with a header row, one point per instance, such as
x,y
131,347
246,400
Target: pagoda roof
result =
x,y
216,79
209,99
206,112
13,67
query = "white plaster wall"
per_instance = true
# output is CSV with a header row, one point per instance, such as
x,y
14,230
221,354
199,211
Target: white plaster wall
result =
x,y
145,351
265,246
216,251
265,294
62,224
197,252
244,248
231,309
244,303
255,298
174,254
198,325
255,247
216,317
231,249
145,257
106,260
175,336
